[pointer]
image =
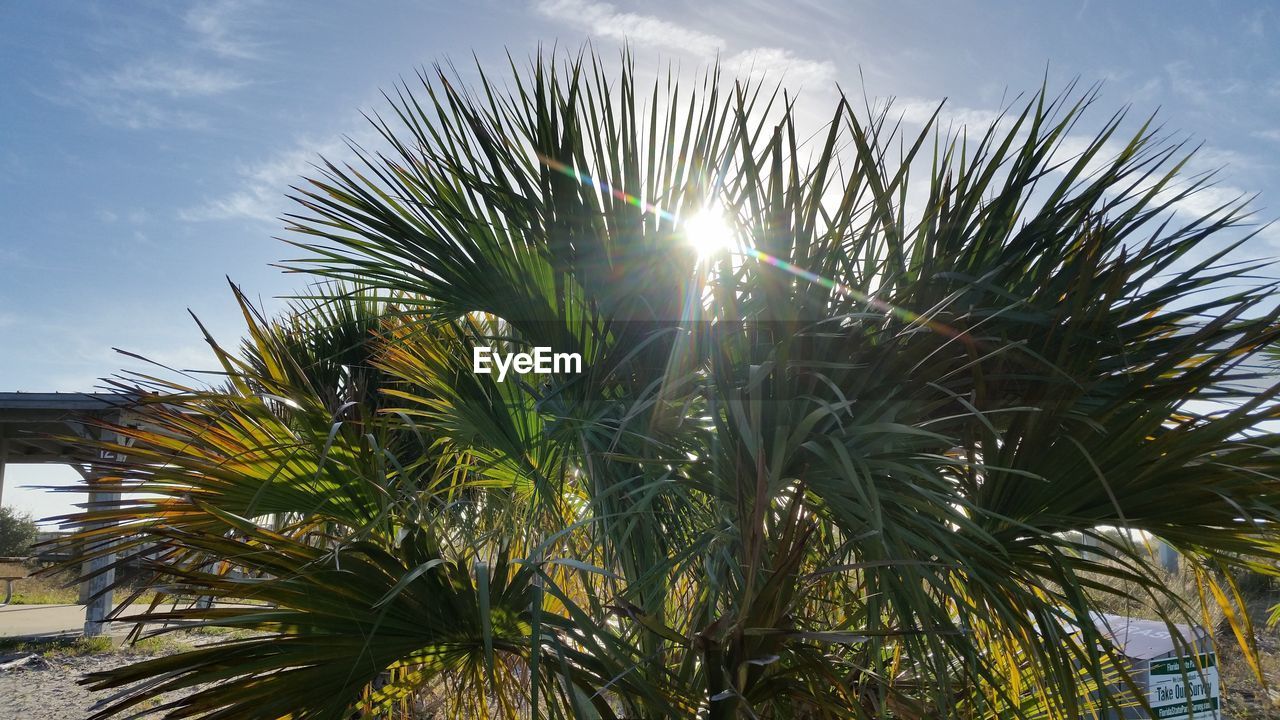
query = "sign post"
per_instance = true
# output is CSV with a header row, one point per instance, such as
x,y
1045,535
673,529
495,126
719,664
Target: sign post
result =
x,y
1181,678
1171,683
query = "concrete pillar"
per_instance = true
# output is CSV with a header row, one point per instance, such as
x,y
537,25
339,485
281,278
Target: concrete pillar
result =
x,y
1168,557
4,458
97,589
1089,541
79,548
96,592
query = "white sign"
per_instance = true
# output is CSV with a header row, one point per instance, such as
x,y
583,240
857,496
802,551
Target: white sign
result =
x,y
1184,688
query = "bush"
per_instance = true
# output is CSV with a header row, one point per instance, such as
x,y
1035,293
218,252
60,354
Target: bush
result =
x,y
17,532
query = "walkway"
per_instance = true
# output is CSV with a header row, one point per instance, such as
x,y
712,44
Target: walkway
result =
x,y
33,621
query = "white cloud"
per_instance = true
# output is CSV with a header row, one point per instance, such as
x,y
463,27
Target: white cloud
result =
x,y
1206,200
1202,202
918,111
88,361
254,203
1273,134
1209,199
1072,147
263,185
220,27
137,114
779,64
142,95
153,76
179,356
1206,92
1209,158
603,20
1255,24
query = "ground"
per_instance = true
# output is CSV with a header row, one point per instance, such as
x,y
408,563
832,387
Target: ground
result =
x,y
1245,698
47,688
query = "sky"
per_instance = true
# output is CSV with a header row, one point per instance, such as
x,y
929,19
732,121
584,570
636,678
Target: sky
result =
x,y
146,148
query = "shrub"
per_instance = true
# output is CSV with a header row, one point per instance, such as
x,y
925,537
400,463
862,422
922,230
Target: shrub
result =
x,y
17,532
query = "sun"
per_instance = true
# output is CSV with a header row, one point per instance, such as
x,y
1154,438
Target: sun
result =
x,y
709,232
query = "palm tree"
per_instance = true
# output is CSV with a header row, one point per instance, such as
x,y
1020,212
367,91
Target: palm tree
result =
x,y
847,441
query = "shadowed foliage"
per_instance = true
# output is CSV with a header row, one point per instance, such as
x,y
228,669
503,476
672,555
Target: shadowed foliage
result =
x,y
867,465
17,532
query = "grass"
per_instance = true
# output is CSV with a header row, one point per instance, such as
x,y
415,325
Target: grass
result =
x,y
82,646
56,589
67,647
1245,698
60,647
52,589
213,630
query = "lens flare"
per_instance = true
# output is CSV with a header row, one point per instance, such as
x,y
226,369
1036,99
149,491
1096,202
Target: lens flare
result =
x,y
709,233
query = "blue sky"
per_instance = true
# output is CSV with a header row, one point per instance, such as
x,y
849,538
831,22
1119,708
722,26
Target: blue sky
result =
x,y
146,147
